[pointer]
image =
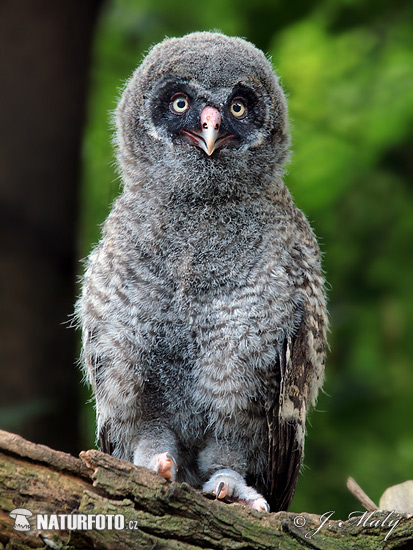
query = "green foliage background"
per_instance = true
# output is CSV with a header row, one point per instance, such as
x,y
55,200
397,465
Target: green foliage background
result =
x,y
347,69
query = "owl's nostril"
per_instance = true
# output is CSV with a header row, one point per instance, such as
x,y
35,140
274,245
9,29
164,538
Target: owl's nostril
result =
x,y
210,124
210,118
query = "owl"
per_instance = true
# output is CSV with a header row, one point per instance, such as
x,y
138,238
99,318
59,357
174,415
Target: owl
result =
x,y
202,310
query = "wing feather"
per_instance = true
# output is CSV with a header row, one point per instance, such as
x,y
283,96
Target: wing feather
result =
x,y
286,414
106,445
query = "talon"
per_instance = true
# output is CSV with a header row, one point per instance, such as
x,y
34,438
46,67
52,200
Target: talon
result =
x,y
219,488
173,460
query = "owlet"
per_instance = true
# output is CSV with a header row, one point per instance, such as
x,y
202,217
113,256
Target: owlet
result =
x,y
202,311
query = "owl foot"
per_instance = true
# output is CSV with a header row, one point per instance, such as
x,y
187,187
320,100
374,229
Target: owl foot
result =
x,y
227,483
164,464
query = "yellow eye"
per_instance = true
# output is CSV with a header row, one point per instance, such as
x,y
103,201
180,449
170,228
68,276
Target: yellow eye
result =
x,y
179,104
238,108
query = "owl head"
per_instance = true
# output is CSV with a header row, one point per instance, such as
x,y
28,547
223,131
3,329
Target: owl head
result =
x,y
205,106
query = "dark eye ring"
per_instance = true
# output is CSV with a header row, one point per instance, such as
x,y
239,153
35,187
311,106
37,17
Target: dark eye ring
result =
x,y
179,104
238,108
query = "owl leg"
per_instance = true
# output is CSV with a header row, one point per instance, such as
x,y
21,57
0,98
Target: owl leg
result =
x,y
228,483
157,450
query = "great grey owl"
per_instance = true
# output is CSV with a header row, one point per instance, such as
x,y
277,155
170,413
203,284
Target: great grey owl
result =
x,y
202,311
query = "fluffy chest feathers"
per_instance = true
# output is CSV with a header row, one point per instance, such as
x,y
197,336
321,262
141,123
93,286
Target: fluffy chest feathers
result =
x,y
230,290
204,248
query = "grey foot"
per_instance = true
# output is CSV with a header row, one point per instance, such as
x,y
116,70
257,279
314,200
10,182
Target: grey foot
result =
x,y
227,483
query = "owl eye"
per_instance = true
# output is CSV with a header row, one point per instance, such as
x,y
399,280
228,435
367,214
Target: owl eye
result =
x,y
238,108
179,104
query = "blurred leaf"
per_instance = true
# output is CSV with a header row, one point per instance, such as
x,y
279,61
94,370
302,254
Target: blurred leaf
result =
x,y
398,498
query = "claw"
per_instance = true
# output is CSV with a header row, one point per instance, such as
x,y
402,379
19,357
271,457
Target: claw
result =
x,y
219,488
173,460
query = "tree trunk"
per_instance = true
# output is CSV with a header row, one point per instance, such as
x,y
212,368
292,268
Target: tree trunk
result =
x,y
44,61
157,513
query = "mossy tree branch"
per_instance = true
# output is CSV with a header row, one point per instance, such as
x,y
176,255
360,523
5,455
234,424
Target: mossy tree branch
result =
x,y
169,516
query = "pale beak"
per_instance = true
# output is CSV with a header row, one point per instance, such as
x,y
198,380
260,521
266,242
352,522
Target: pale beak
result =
x,y
210,124
208,139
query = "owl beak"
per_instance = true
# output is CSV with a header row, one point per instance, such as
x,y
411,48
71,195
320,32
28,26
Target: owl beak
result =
x,y
210,124
210,137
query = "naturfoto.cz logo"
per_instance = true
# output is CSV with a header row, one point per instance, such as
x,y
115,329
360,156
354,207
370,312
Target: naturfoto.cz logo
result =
x,y
71,522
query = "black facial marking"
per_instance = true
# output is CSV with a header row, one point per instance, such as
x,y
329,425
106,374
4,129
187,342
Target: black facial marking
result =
x,y
164,117
174,123
255,114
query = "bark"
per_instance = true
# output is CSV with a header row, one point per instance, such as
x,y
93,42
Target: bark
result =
x,y
44,61
167,515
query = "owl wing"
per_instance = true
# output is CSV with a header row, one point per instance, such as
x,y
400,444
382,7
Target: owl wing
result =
x,y
106,445
95,366
285,414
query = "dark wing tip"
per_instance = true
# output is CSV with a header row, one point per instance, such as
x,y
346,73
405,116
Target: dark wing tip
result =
x,y
105,444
